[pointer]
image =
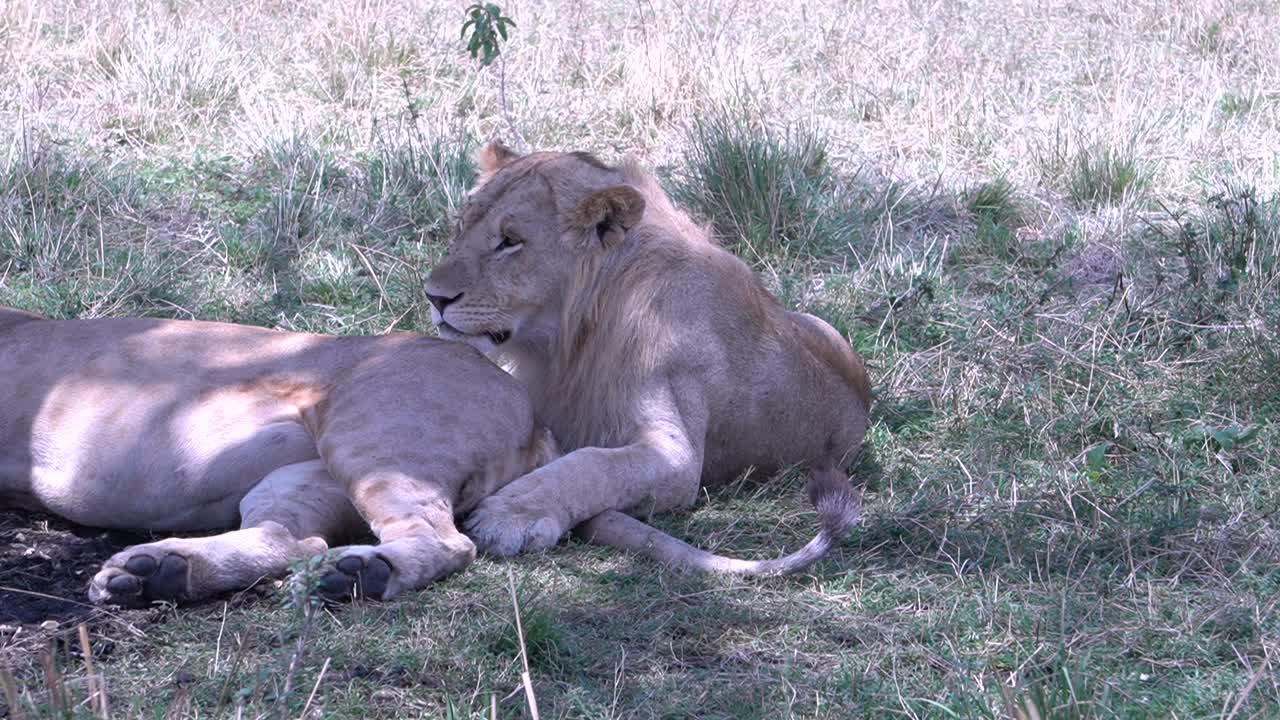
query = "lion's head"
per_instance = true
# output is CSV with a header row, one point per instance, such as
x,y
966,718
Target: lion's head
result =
x,y
521,234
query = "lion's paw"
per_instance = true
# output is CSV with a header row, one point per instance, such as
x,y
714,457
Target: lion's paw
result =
x,y
499,526
358,571
141,575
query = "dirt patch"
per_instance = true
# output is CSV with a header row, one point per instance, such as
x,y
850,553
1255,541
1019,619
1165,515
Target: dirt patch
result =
x,y
46,564
45,567
1096,265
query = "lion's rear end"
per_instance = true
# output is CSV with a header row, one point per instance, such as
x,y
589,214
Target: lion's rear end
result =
x,y
848,400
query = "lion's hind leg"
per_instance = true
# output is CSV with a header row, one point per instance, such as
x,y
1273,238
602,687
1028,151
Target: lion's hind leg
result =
x,y
294,512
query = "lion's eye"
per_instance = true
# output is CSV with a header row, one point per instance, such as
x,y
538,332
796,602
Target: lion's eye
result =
x,y
508,243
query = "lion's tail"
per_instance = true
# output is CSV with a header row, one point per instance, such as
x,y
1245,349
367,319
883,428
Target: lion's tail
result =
x,y
839,508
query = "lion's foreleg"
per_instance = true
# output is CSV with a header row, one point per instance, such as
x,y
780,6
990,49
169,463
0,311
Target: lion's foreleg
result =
x,y
292,513
660,471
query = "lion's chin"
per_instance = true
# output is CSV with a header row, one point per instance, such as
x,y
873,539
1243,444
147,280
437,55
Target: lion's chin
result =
x,y
485,342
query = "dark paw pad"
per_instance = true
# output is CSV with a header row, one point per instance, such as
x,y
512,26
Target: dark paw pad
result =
x,y
355,576
146,580
141,565
169,581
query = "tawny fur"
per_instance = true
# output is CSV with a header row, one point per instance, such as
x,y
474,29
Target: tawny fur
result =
x,y
657,358
300,440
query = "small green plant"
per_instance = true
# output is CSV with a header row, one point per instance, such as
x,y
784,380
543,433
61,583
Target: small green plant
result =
x,y
1230,242
488,27
1241,234
1220,438
1095,460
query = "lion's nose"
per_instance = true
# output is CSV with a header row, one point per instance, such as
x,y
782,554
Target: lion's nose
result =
x,y
441,302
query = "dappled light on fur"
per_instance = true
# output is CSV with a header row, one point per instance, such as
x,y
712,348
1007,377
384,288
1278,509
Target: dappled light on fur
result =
x,y
298,440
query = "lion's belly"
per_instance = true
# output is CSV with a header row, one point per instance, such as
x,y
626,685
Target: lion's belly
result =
x,y
144,423
161,456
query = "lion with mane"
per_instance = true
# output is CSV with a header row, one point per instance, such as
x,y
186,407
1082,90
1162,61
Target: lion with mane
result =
x,y
658,359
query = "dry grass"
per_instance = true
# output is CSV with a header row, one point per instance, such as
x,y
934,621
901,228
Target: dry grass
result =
x,y
1053,229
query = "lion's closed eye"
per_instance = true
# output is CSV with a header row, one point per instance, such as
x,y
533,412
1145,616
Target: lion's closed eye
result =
x,y
508,244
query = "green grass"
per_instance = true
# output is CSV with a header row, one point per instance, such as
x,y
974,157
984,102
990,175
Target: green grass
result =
x,y
769,191
1238,104
995,201
1104,174
1059,254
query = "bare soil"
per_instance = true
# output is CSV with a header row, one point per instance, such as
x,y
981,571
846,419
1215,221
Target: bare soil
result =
x,y
45,567
46,564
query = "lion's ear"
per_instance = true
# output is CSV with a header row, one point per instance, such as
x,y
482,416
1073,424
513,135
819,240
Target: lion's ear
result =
x,y
610,212
493,157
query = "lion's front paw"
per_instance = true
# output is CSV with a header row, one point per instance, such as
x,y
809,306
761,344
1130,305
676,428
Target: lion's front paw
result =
x,y
140,575
359,571
502,526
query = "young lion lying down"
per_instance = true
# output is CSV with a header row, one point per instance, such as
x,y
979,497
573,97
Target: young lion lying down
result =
x,y
658,359
302,439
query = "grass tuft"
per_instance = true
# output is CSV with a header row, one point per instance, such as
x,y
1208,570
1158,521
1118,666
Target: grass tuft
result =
x,y
995,201
1103,174
56,213
166,78
413,185
1233,104
1237,238
768,191
1228,245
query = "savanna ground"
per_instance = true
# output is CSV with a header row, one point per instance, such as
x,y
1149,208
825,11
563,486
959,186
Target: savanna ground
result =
x,y
1053,230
